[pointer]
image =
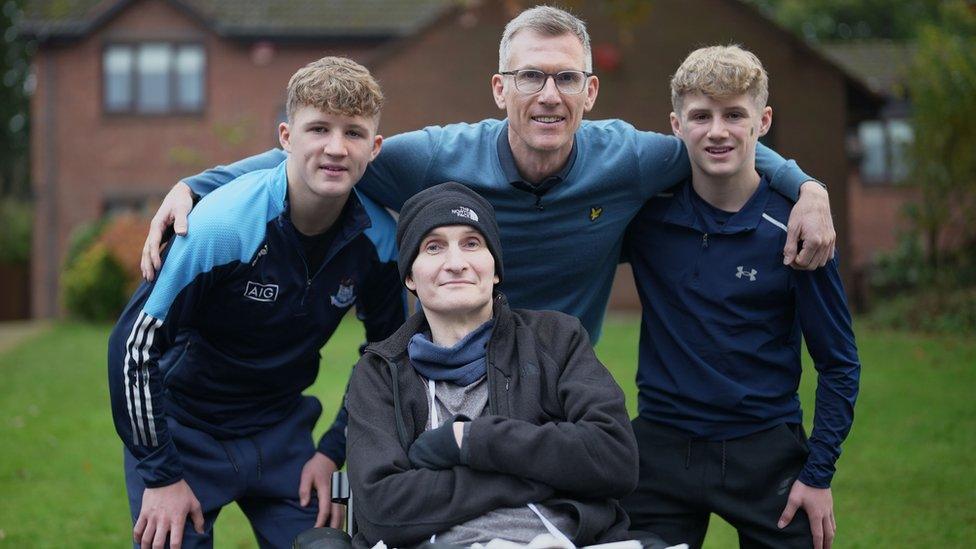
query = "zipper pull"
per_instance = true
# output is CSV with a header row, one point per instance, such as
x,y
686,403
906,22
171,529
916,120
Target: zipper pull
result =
x,y
538,202
263,251
705,240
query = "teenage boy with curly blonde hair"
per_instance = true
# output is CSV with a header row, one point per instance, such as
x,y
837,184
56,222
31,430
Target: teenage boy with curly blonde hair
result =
x,y
208,363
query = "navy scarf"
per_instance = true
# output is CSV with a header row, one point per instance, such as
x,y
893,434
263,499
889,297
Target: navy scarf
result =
x,y
462,364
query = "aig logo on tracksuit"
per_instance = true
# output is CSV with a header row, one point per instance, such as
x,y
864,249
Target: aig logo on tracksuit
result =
x,y
261,292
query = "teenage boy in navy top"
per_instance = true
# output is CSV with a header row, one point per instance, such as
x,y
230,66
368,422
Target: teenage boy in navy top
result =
x,y
207,364
719,428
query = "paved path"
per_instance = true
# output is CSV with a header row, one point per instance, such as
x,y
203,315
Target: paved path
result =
x,y
13,332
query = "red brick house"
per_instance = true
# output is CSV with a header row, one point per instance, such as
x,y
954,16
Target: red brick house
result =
x,y
133,94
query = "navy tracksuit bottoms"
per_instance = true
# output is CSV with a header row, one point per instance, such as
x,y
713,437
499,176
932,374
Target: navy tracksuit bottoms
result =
x,y
260,472
746,481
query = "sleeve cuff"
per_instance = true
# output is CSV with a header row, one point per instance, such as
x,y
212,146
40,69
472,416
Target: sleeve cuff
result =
x,y
334,447
161,468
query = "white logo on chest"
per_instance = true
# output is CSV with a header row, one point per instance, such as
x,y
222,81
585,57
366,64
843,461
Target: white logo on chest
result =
x,y
743,272
261,292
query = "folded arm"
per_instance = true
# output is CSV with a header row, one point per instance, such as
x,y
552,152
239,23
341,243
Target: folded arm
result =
x,y
590,451
398,503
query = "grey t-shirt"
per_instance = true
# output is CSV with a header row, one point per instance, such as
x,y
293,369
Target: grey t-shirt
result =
x,y
518,524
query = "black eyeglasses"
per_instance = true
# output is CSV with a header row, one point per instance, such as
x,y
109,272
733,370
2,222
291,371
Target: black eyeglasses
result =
x,y
533,80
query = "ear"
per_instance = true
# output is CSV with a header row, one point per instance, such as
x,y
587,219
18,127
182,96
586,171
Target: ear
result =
x,y
766,120
496,280
377,145
410,284
592,89
284,136
498,90
675,124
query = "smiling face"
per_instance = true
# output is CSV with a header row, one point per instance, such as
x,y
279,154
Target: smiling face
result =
x,y
454,273
327,152
721,133
542,124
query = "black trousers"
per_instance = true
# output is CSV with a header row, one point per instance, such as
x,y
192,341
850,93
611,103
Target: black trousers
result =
x,y
746,481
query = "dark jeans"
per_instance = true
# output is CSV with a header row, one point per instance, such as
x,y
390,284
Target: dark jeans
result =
x,y
746,481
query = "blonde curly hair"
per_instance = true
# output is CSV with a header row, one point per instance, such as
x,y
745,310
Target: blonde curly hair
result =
x,y
720,72
337,85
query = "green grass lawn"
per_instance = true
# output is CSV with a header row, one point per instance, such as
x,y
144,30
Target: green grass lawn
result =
x,y
907,477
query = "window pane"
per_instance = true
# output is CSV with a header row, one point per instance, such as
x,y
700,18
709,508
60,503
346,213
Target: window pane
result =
x,y
871,135
154,68
900,132
117,66
189,78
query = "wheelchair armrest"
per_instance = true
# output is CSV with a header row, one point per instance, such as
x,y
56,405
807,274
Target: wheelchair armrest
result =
x,y
340,487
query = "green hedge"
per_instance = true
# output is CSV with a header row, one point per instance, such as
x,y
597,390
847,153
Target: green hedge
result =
x,y
94,286
15,231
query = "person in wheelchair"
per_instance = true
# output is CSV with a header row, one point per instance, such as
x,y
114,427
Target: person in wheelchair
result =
x,y
476,421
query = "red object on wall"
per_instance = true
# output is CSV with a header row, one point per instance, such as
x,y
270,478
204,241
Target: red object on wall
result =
x,y
606,57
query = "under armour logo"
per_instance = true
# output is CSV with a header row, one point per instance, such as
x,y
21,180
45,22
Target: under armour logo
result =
x,y
751,274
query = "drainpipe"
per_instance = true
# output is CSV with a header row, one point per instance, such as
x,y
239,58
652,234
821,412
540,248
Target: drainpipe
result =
x,y
51,217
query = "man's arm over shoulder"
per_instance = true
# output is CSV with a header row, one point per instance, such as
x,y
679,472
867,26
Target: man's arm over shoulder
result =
x,y
394,501
401,169
826,324
592,452
209,180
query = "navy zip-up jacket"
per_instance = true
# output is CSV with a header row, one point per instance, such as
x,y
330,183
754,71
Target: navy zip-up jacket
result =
x,y
228,336
722,322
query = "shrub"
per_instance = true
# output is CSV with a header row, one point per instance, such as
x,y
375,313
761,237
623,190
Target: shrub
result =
x,y
123,235
15,231
82,238
94,286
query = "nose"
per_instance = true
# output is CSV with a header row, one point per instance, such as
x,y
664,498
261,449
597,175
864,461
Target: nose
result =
x,y
549,93
717,129
336,146
454,260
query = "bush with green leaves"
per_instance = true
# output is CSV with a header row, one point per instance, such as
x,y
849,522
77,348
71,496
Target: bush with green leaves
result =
x,y
16,218
94,285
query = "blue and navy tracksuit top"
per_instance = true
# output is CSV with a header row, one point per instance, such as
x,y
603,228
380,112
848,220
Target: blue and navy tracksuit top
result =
x,y
722,323
562,239
228,336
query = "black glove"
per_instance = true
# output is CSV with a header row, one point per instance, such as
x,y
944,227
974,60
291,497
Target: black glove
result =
x,y
437,448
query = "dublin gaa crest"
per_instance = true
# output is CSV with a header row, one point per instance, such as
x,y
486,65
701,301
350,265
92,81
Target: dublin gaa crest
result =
x,y
345,295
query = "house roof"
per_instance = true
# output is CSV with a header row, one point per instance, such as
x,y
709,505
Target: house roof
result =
x,y
881,64
247,19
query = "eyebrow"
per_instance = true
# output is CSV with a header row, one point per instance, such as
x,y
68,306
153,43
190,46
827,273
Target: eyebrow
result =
x,y
323,122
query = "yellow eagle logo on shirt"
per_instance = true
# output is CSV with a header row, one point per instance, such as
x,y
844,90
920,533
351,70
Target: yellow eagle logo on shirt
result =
x,y
595,213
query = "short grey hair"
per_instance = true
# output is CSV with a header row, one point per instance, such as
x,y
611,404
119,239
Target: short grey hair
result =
x,y
547,21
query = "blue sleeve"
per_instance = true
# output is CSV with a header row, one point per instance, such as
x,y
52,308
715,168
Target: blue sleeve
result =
x,y
207,181
785,177
400,171
826,324
147,329
662,161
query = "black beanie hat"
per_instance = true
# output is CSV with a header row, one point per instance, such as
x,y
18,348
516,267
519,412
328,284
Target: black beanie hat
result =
x,y
445,204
